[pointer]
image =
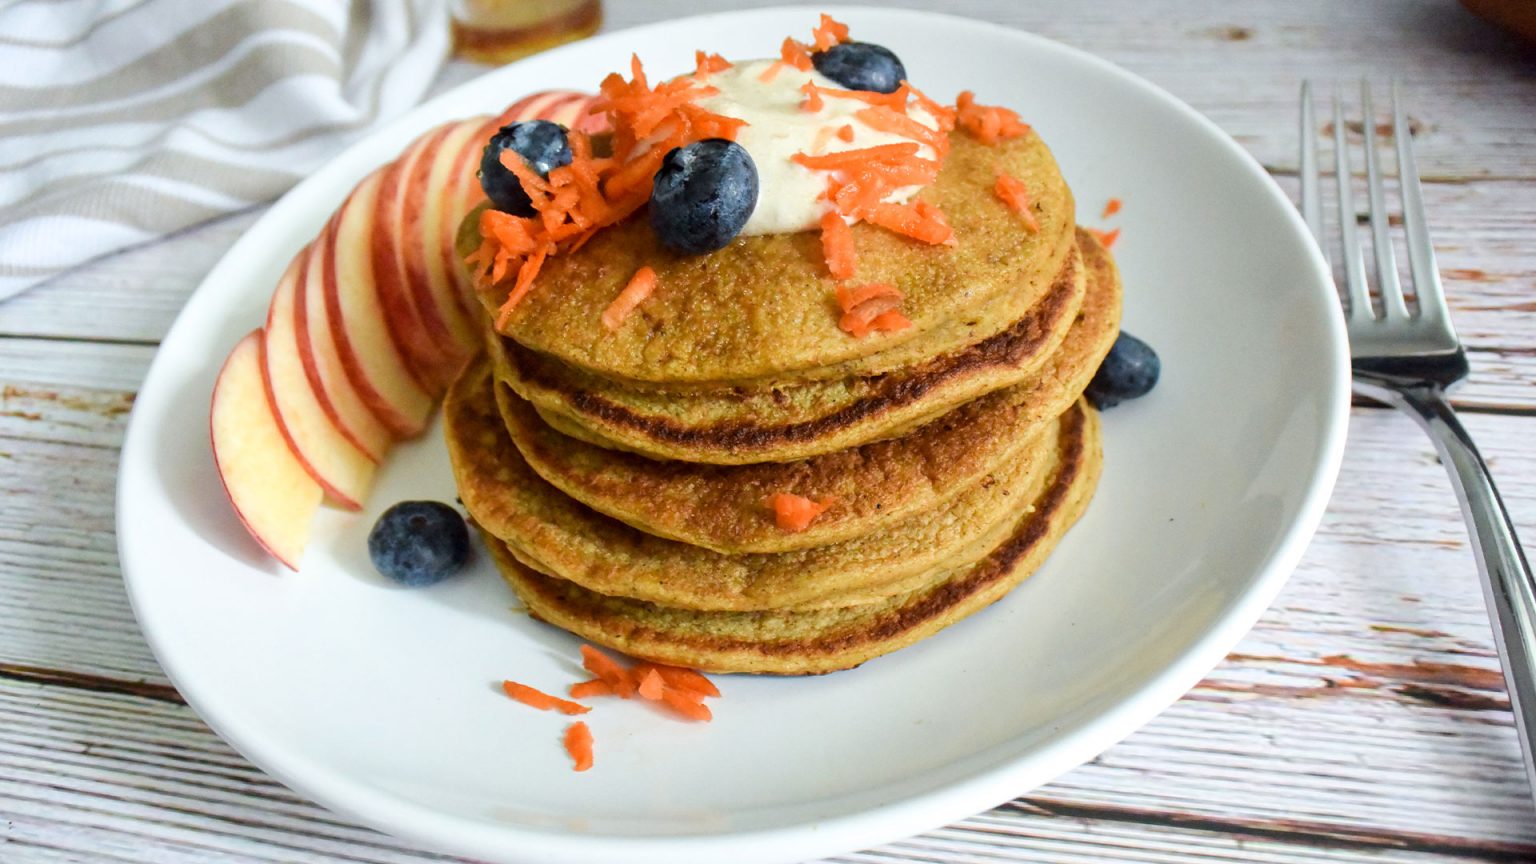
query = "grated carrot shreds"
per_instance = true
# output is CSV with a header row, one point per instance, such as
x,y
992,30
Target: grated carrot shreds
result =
x,y
1111,207
640,287
796,512
989,124
587,689
890,321
1011,191
1107,238
829,32
813,101
578,743
913,220
792,53
605,668
845,132
850,298
541,700
684,679
708,64
592,193
651,685
837,246
886,120
687,703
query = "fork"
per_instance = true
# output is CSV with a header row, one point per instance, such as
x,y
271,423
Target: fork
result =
x,y
1409,360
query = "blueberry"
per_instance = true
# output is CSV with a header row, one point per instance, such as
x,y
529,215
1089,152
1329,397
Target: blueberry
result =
x,y
703,195
542,145
1129,371
419,542
861,66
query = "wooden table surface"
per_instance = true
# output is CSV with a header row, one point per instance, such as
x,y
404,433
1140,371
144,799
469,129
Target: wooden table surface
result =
x,y
1363,719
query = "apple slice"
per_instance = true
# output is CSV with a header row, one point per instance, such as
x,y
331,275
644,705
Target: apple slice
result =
x,y
432,194
322,360
363,341
272,494
448,183
442,324
418,332
343,470
462,193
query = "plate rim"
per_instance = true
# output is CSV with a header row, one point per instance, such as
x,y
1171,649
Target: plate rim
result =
x,y
914,811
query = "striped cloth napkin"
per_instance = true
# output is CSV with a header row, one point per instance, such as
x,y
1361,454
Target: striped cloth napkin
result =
x,y
122,121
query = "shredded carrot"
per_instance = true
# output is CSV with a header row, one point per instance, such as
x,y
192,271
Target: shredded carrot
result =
x,y
682,679
610,672
837,246
1111,207
925,223
1011,191
846,132
796,512
594,687
578,743
1107,238
890,321
687,703
591,193
708,64
850,298
813,101
829,32
989,124
794,54
896,99
640,287
651,685
541,700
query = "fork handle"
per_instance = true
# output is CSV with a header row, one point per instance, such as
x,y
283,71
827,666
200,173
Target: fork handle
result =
x,y
1508,588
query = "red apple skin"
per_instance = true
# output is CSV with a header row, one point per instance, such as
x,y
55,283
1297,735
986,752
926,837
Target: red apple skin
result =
x,y
465,195
239,408
327,378
441,324
423,359
343,470
377,371
432,194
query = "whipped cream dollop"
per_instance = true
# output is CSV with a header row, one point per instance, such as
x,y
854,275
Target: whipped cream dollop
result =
x,y
789,194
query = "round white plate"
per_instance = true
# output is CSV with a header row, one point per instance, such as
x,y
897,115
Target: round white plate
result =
x,y
381,702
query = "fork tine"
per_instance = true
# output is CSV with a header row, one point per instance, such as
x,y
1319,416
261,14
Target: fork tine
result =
x,y
1421,251
1387,284
1354,262
1311,197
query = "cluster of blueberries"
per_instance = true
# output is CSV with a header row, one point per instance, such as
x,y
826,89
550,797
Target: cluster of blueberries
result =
x,y
705,192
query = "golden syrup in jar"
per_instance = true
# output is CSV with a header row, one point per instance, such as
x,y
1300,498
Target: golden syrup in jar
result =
x,y
500,31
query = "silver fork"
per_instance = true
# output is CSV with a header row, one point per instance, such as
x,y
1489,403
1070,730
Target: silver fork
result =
x,y
1409,360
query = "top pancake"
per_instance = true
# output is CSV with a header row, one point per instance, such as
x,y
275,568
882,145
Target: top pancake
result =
x,y
763,309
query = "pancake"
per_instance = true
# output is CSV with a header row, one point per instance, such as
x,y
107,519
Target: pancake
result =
x,y
791,421
557,535
720,506
760,312
801,421
812,642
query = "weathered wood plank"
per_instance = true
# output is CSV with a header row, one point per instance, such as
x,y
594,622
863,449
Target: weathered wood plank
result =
x,y
95,777
1367,700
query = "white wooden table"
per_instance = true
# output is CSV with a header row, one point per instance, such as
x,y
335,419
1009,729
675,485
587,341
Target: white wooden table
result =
x,y
1363,719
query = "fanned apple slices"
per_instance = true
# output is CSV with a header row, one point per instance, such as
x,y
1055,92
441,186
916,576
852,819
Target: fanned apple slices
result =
x,y
367,327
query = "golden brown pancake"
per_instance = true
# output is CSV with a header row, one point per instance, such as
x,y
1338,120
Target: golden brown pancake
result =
x,y
720,506
824,640
554,533
762,312
790,421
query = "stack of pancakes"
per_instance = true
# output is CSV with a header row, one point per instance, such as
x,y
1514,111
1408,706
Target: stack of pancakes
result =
x,y
622,479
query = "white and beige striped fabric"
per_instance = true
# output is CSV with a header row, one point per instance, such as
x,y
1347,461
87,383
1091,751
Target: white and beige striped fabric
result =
x,y
125,120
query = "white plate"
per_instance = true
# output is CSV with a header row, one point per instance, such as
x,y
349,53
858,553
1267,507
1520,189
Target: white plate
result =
x,y
380,702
